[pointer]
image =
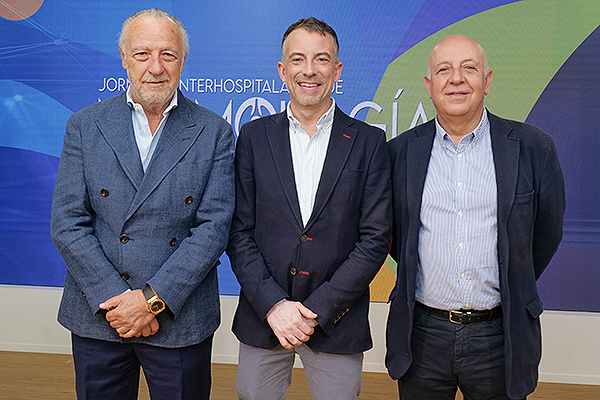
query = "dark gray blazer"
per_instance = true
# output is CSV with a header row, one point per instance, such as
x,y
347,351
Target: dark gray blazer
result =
x,y
118,228
326,265
531,205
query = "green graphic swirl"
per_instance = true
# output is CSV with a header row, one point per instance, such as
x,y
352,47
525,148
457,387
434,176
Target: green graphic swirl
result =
x,y
526,44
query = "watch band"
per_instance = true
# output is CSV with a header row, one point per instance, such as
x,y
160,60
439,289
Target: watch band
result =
x,y
148,292
155,304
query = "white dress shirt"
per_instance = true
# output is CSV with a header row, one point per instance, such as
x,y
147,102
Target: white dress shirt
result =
x,y
147,142
308,157
458,237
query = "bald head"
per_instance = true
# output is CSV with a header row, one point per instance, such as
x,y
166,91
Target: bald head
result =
x,y
460,43
457,80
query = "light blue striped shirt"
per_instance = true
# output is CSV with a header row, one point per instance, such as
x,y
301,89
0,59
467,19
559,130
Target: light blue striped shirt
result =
x,y
308,157
147,142
458,237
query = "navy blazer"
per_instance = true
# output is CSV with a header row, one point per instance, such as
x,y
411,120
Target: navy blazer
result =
x,y
118,228
326,265
531,205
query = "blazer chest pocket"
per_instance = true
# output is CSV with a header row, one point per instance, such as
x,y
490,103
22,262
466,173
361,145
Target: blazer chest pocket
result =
x,y
351,174
524,198
349,185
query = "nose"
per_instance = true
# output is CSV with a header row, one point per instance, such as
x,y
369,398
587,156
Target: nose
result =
x,y
457,76
309,68
155,66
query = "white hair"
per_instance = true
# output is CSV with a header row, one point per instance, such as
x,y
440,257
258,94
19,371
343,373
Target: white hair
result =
x,y
155,12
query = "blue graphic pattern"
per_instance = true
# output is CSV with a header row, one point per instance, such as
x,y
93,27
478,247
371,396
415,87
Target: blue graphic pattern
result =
x,y
58,61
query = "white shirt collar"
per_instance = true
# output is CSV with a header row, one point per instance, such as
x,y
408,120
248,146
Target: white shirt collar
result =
x,y
476,134
324,121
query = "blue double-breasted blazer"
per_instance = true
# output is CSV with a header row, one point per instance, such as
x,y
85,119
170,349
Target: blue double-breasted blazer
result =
x,y
118,228
531,205
327,264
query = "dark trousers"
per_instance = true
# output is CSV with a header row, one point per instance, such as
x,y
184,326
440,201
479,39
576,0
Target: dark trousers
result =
x,y
108,370
448,355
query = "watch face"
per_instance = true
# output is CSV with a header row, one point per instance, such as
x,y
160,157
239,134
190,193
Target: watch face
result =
x,y
157,306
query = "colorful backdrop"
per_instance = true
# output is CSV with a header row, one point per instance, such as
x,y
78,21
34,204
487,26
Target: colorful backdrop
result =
x,y
58,56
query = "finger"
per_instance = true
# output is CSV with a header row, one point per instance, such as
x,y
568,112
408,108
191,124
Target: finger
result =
x,y
296,340
286,338
306,330
106,306
296,329
121,330
112,316
110,303
307,313
129,334
294,336
285,344
289,343
304,336
117,322
154,326
311,322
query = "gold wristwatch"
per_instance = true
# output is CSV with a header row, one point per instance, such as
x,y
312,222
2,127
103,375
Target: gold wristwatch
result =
x,y
155,304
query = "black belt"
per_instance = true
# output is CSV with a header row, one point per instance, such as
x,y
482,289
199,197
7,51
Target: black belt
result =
x,y
464,316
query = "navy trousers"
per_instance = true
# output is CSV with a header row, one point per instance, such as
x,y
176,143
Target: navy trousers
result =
x,y
108,370
448,355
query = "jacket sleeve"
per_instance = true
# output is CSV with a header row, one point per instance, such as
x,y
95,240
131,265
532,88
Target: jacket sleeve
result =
x,y
258,285
72,226
335,297
551,205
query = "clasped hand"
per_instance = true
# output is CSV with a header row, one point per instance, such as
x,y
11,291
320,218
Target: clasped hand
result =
x,y
128,314
292,323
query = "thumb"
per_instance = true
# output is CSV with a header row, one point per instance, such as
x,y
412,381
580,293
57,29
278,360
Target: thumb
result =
x,y
110,303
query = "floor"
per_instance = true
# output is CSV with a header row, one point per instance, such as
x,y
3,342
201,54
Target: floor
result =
x,y
26,376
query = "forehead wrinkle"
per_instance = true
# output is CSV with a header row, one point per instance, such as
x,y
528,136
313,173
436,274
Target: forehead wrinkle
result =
x,y
480,58
466,60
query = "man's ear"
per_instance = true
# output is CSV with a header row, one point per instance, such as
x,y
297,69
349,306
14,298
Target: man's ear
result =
x,y
123,57
338,71
428,85
488,81
281,70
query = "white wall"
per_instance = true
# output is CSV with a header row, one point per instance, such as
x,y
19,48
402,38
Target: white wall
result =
x,y
570,345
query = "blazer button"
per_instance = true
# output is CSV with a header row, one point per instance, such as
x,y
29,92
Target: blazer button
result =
x,y
189,200
103,192
124,239
125,276
173,242
303,238
293,271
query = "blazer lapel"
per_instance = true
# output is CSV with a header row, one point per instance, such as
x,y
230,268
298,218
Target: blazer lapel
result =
x,y
506,162
417,161
418,154
179,134
343,136
120,137
279,143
